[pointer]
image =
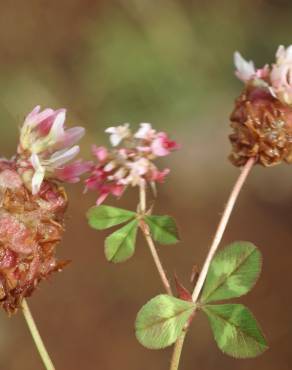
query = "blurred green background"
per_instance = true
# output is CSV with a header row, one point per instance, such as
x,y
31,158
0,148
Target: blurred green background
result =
x,y
170,63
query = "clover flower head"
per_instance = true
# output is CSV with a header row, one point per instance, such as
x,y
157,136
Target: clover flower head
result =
x,y
130,162
32,211
46,147
262,118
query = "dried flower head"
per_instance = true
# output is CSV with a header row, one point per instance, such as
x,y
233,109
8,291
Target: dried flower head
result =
x,y
32,204
262,117
130,162
31,226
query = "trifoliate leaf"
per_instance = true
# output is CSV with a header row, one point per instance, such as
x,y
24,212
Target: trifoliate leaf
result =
x,y
160,322
232,273
120,245
235,330
163,229
103,217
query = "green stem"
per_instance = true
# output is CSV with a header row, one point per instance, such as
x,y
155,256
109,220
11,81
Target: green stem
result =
x,y
36,337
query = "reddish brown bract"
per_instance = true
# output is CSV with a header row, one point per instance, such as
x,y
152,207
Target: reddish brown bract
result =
x,y
31,226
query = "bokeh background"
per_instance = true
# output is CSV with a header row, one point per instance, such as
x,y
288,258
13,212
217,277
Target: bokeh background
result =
x,y
170,63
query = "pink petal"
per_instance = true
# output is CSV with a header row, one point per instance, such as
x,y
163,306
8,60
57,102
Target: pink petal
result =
x,y
45,125
71,136
100,152
71,173
42,116
35,117
158,148
162,146
159,176
117,190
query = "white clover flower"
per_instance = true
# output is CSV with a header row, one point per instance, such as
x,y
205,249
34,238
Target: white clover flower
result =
x,y
131,164
118,133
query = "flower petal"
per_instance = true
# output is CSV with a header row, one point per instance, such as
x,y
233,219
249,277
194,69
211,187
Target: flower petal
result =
x,y
57,129
100,152
145,132
63,156
244,70
71,136
39,174
71,173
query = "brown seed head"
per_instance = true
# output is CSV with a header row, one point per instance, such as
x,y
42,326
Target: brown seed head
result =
x,y
262,128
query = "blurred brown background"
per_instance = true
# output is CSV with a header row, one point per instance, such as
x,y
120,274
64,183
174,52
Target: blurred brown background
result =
x,y
170,63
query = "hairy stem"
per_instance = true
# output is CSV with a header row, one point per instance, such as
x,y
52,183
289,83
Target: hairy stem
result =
x,y
146,232
222,226
214,246
36,337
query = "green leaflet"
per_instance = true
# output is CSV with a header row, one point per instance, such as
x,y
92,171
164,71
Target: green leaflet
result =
x,y
232,273
235,330
120,245
163,229
161,320
103,217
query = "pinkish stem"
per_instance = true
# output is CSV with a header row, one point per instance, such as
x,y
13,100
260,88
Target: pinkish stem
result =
x,y
214,246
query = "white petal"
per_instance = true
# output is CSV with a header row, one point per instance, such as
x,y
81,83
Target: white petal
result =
x,y
244,70
280,53
144,129
110,166
289,53
111,130
115,139
35,161
39,174
272,92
